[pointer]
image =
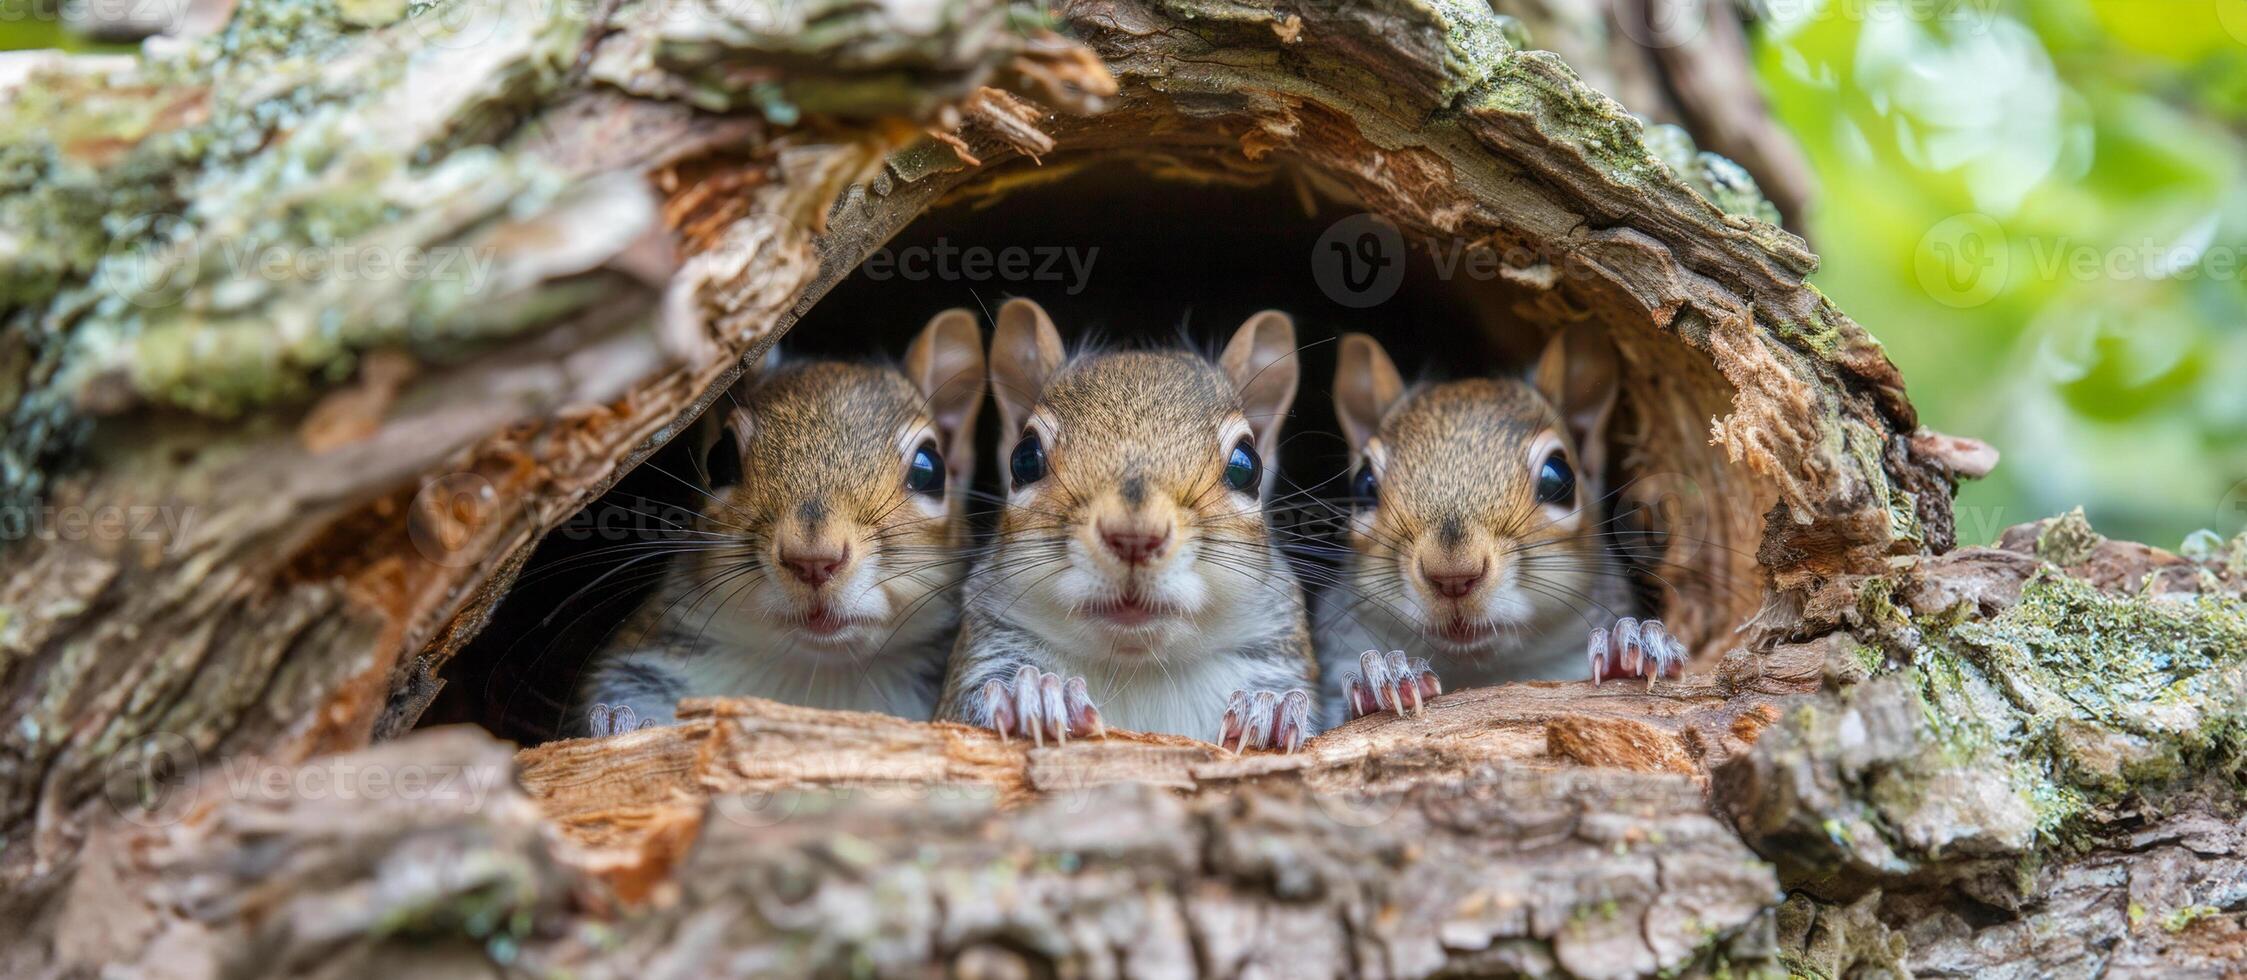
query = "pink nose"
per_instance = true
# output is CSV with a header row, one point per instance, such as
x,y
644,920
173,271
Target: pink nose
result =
x,y
1452,584
814,568
1134,544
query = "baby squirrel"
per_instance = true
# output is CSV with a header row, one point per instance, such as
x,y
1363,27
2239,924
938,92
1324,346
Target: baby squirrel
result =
x,y
1134,580
828,576
1478,539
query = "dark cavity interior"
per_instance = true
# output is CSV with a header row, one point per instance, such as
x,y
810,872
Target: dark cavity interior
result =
x,y
1113,255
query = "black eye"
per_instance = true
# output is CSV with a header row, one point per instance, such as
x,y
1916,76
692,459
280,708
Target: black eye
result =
x,y
1556,483
723,464
1367,487
925,474
1028,462
1242,468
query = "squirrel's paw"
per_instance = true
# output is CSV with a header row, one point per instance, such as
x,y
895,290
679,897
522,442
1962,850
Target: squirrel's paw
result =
x,y
1390,682
1265,720
1635,648
605,720
1042,705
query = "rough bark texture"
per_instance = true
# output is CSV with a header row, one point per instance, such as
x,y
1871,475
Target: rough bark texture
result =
x,y
2023,755
762,839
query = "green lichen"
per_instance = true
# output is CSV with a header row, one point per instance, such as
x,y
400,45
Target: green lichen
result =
x,y
1724,183
2068,539
1984,745
2087,698
1539,84
1822,335
1476,46
2182,919
138,197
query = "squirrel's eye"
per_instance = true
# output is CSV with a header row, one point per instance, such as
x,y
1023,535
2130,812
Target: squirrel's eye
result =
x,y
1242,468
1028,462
925,473
1556,483
1367,487
723,464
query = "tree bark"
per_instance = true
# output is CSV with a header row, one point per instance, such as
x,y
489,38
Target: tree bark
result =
x,y
1945,758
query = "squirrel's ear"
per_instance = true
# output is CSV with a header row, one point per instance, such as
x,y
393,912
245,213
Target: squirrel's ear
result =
x,y
1366,387
946,363
1262,363
1025,353
1580,374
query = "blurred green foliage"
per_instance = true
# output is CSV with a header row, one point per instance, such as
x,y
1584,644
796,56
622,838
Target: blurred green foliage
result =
x,y
34,24
2038,207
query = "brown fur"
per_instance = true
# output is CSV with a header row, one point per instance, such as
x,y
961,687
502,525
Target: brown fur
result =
x,y
1135,439
1166,407
1458,467
825,449
817,443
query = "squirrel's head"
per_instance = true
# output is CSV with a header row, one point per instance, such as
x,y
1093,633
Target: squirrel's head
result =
x,y
1476,502
1139,478
841,486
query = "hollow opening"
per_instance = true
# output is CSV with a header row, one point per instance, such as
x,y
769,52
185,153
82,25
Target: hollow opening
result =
x,y
1120,255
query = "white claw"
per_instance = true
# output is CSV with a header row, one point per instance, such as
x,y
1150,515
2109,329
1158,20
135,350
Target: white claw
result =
x,y
1268,709
994,694
1660,646
1074,694
1394,667
1056,709
1626,638
1420,669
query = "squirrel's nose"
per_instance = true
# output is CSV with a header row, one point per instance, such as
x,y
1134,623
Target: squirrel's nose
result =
x,y
1134,544
814,565
1453,582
